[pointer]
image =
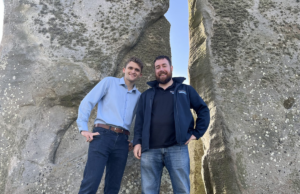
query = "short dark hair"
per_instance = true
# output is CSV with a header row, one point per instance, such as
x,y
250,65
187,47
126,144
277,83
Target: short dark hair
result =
x,y
135,60
163,57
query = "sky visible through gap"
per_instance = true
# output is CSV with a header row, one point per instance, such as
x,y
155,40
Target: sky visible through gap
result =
x,y
178,16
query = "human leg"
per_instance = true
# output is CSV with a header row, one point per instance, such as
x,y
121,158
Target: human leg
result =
x,y
151,170
177,162
116,164
97,157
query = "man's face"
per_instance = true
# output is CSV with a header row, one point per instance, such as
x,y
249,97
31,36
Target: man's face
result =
x,y
163,71
132,71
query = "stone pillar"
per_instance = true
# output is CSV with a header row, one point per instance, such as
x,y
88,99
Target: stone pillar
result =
x,y
244,62
52,53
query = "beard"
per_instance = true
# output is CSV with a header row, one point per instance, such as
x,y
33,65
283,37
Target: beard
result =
x,y
165,79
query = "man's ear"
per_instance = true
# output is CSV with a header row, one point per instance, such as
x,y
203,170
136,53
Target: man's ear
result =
x,y
141,75
172,68
123,69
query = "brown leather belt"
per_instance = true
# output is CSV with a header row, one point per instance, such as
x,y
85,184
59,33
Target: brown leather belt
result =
x,y
115,129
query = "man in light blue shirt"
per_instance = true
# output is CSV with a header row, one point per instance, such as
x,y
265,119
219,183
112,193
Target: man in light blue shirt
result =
x,y
117,100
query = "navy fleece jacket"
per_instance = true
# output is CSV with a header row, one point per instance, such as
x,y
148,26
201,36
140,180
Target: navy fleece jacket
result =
x,y
185,98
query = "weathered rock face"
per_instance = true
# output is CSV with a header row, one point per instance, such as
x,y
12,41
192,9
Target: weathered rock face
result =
x,y
244,62
52,53
196,153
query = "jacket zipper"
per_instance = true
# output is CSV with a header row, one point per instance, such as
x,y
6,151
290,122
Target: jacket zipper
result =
x,y
178,131
151,99
151,102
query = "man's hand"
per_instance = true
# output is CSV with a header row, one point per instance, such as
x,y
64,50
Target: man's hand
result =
x,y
89,135
137,151
191,138
130,146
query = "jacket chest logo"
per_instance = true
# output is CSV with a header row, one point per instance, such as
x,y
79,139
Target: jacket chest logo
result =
x,y
182,92
172,92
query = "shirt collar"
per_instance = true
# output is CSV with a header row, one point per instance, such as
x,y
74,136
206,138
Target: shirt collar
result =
x,y
134,88
170,87
122,82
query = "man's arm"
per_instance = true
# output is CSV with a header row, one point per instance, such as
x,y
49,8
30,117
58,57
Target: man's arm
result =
x,y
202,111
139,122
138,128
89,102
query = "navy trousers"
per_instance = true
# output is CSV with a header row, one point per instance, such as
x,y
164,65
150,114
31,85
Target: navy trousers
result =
x,y
108,149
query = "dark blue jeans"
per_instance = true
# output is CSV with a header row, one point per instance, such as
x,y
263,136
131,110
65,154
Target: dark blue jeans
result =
x,y
177,161
108,149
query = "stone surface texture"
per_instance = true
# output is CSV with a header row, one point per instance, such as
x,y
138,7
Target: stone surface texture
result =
x,y
196,153
52,53
244,62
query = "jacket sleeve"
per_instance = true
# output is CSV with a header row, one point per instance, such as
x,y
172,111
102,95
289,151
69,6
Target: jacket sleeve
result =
x,y
202,111
139,122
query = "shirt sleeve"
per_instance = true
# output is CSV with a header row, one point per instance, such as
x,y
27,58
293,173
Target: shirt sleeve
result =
x,y
89,102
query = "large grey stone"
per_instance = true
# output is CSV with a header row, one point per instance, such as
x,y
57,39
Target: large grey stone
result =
x,y
52,53
244,62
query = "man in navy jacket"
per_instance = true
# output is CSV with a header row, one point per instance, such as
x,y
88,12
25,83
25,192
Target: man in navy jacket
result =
x,y
164,126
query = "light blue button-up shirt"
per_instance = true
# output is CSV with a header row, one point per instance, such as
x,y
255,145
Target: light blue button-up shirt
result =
x,y
116,105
